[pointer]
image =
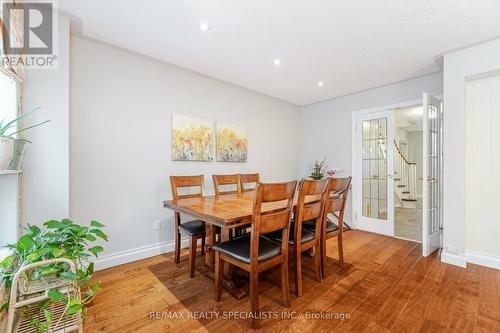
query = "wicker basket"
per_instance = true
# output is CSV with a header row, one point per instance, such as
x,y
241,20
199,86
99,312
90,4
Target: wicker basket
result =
x,y
24,299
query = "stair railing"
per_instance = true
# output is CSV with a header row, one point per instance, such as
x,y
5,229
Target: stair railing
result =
x,y
407,174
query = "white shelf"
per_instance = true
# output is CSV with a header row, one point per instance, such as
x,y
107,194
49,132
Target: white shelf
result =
x,y
10,172
4,253
9,206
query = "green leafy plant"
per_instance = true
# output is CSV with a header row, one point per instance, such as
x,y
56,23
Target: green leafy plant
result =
x,y
8,128
57,239
318,169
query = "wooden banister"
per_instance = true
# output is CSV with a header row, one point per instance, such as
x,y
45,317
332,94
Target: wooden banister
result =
x,y
407,175
400,153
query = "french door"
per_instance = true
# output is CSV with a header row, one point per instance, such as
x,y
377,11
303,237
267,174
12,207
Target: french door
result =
x,y
432,174
373,162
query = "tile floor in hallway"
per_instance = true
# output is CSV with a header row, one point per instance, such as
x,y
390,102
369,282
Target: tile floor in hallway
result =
x,y
408,222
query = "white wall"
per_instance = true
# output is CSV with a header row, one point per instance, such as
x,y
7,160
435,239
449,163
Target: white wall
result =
x,y
121,106
415,154
8,211
458,67
326,126
8,182
482,180
46,163
401,135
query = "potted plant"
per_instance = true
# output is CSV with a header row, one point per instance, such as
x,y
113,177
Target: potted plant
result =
x,y
12,148
317,169
57,239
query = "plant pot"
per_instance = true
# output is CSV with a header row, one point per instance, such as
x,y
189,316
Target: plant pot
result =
x,y
11,153
6,152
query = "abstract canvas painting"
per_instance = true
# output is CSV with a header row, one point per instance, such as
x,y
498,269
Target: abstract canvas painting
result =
x,y
231,143
192,139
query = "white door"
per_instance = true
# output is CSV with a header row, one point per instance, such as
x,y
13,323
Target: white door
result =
x,y
373,190
432,174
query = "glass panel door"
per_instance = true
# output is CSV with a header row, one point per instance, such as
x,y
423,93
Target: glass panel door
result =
x,y
432,137
374,185
375,168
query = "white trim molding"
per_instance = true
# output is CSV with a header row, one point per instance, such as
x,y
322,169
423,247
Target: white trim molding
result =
x,y
454,259
355,172
483,259
139,253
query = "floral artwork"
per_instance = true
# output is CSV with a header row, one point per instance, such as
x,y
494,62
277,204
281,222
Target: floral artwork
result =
x,y
192,139
232,143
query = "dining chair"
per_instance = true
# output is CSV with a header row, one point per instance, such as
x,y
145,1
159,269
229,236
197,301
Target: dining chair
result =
x,y
255,253
310,207
247,179
193,229
336,203
226,180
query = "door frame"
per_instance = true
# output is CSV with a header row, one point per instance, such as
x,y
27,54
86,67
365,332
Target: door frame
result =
x,y
354,115
434,242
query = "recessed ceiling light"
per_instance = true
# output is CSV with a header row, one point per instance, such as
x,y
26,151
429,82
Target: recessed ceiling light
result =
x,y
277,62
205,27
321,83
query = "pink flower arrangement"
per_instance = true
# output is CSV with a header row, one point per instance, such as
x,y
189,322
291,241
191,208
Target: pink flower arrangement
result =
x,y
334,171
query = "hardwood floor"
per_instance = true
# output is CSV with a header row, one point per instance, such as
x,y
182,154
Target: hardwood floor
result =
x,y
385,286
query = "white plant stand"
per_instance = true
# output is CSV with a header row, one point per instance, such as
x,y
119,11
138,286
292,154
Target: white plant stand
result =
x,y
24,299
10,208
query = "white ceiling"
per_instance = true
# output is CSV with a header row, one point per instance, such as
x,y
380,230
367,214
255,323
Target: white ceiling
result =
x,y
351,45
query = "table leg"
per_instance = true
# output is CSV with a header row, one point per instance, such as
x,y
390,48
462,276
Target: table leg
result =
x,y
209,253
236,287
228,268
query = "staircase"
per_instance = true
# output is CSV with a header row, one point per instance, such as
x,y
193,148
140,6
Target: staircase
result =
x,y
405,180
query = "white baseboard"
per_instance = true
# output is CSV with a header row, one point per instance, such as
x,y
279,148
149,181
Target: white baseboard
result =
x,y
128,256
472,257
348,222
454,259
139,253
483,259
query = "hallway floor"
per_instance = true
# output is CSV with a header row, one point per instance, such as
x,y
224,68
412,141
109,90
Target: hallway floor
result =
x,y
408,222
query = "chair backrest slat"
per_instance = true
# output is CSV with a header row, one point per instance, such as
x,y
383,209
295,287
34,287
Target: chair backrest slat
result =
x,y
220,180
273,221
312,209
178,182
338,193
246,179
269,220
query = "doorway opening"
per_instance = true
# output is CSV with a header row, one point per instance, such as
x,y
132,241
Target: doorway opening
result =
x,y
397,171
408,169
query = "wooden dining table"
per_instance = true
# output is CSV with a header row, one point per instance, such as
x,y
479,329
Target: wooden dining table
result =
x,y
225,212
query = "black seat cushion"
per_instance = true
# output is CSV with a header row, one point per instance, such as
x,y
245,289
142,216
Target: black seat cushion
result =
x,y
192,228
307,235
330,226
239,248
